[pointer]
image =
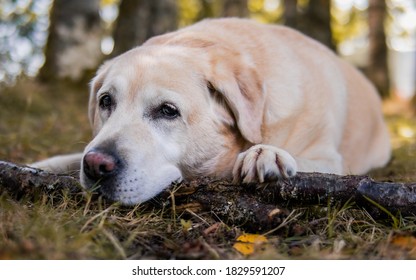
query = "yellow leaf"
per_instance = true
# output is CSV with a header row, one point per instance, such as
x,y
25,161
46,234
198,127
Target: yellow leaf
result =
x,y
252,238
244,248
405,242
247,243
186,225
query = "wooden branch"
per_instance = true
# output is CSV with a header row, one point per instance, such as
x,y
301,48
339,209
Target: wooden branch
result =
x,y
21,181
264,206
256,206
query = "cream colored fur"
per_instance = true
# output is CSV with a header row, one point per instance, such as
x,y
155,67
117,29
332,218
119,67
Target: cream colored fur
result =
x,y
257,102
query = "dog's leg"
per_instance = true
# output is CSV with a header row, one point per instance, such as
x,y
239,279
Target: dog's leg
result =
x,y
60,164
263,163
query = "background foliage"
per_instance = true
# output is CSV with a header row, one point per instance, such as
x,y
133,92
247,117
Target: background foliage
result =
x,y
43,112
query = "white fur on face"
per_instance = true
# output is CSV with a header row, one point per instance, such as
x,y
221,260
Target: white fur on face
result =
x,y
148,164
154,151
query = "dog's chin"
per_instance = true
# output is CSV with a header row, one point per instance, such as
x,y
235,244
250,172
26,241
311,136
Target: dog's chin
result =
x,y
138,194
132,189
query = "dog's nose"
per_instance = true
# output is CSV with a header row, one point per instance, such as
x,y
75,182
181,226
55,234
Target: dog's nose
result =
x,y
98,165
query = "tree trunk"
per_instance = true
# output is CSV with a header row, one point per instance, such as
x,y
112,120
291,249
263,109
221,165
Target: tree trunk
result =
x,y
290,13
235,8
139,20
377,70
73,45
314,21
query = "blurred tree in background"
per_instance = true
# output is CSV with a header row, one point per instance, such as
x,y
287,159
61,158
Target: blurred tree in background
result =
x,y
139,20
312,19
74,40
377,66
235,8
83,33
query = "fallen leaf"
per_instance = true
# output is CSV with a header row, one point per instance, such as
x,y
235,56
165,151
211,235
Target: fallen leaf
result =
x,y
186,225
248,243
407,242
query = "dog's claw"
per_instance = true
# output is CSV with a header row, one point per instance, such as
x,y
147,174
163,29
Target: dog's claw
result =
x,y
263,163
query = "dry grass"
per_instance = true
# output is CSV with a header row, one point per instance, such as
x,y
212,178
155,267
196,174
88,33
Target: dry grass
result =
x,y
39,121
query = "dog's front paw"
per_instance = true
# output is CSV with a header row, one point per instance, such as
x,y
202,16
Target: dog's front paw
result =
x,y
263,163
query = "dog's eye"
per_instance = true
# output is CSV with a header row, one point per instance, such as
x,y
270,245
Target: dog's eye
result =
x,y
106,102
168,111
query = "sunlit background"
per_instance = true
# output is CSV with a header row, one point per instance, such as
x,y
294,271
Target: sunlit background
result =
x,y
24,28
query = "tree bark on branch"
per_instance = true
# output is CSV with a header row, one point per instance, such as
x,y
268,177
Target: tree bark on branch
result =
x,y
260,206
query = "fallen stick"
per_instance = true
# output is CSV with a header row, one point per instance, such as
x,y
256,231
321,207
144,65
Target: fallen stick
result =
x,y
18,180
261,205
264,206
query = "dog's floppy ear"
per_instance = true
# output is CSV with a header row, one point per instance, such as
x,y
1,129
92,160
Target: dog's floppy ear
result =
x,y
95,86
230,73
241,87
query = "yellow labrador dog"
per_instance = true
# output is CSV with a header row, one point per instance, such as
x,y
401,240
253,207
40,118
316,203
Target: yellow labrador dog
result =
x,y
226,98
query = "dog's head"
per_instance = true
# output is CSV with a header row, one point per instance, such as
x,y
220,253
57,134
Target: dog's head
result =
x,y
164,113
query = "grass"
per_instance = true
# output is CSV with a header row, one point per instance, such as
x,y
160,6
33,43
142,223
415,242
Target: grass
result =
x,y
43,120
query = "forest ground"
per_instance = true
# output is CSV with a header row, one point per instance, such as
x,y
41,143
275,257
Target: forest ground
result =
x,y
38,121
